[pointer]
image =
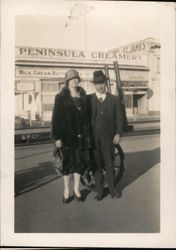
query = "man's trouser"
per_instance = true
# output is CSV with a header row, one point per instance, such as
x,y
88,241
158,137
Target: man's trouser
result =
x,y
104,158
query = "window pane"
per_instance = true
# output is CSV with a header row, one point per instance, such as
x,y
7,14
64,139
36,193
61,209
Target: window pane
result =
x,y
44,86
48,99
128,101
47,107
50,86
55,86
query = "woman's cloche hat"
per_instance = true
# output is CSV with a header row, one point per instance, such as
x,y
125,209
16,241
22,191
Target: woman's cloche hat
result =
x,y
70,74
99,77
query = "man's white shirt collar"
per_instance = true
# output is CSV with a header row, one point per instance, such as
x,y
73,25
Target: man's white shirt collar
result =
x,y
101,96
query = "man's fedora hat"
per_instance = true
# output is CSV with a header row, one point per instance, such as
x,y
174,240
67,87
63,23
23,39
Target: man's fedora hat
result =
x,y
70,75
99,77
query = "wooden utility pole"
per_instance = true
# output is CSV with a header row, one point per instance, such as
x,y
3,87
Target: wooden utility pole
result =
x,y
108,80
120,94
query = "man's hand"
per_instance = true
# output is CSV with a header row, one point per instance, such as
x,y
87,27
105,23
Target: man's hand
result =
x,y
116,139
58,143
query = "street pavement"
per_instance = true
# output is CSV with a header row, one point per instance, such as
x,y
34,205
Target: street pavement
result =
x,y
39,192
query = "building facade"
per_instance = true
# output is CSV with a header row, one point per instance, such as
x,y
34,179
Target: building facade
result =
x,y
39,75
149,49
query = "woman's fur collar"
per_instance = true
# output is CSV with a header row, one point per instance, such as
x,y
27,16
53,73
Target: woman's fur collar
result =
x,y
65,91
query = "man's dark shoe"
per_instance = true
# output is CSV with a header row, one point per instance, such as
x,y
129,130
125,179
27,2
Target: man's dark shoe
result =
x,y
114,194
99,197
93,187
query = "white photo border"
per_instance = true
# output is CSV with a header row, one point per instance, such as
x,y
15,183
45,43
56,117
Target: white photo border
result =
x,y
167,236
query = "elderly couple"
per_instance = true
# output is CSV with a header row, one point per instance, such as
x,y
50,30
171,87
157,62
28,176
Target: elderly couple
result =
x,y
79,119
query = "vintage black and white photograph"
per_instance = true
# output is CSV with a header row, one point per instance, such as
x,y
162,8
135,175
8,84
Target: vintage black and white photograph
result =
x,y
87,118
83,164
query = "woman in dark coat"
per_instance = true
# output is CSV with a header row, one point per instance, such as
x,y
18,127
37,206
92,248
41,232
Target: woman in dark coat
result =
x,y
69,130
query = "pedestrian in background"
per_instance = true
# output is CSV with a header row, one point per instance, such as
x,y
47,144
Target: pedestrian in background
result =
x,y
69,130
106,125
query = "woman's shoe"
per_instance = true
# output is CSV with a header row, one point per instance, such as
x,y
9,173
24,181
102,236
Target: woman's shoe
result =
x,y
77,197
66,201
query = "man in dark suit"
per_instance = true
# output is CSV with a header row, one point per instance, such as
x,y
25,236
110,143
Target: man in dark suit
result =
x,y
106,125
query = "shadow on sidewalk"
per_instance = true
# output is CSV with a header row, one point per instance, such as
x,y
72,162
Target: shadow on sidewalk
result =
x,y
136,165
29,179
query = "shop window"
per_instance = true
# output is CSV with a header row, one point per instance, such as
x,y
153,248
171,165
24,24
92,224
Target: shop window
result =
x,y
29,99
47,107
44,86
50,86
48,99
128,99
48,102
55,86
135,101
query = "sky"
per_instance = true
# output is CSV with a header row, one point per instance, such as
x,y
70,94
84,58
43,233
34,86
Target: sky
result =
x,y
107,25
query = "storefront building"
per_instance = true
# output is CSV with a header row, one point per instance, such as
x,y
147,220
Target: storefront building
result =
x,y
39,76
149,50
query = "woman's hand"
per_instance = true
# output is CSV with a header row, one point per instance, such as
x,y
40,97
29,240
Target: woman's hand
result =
x,y
117,139
58,143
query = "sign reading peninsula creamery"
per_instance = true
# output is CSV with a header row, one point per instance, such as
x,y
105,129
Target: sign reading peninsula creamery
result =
x,y
74,55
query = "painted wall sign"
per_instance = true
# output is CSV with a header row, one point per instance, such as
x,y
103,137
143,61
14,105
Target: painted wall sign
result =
x,y
126,75
133,48
28,86
134,75
75,55
139,47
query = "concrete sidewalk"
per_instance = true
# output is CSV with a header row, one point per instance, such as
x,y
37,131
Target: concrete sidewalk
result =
x,y
39,208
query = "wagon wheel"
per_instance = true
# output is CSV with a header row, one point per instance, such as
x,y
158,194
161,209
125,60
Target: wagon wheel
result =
x,y
87,179
119,163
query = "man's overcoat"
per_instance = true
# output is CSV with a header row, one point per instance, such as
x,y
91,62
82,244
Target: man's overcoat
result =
x,y
65,120
112,112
